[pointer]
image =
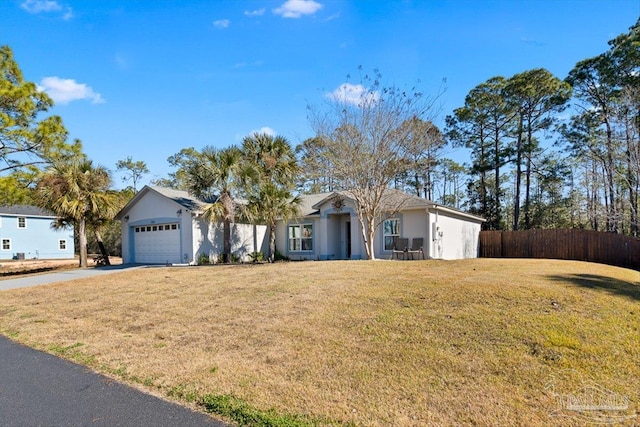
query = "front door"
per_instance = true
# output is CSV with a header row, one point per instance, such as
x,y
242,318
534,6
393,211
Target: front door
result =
x,y
347,230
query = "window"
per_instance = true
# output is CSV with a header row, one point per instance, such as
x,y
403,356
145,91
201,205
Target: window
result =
x,y
6,244
391,230
62,245
22,222
301,237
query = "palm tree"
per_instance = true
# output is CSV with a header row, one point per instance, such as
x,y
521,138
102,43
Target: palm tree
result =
x,y
216,175
78,193
270,190
266,204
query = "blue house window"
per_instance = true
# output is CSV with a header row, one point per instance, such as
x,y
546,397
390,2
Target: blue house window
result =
x,y
62,244
22,222
301,237
6,244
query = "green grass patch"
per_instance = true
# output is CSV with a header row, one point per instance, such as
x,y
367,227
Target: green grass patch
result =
x,y
246,415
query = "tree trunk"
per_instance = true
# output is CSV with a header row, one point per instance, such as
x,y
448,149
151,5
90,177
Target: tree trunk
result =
x,y
632,183
516,197
82,236
103,250
272,242
527,195
612,219
226,232
367,234
496,147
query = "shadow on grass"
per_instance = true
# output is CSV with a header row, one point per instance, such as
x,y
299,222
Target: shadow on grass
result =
x,y
602,283
26,271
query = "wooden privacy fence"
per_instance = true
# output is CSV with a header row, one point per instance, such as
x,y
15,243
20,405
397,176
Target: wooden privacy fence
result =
x,y
575,244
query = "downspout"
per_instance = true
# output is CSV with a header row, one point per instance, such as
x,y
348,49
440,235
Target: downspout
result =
x,y
434,234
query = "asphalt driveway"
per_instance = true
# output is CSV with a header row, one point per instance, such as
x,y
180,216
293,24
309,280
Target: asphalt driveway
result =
x,y
62,276
38,389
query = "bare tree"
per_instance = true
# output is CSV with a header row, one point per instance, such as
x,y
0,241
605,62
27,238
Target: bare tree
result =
x,y
367,143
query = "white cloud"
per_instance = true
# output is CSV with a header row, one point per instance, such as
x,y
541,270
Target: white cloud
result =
x,y
353,94
245,64
257,12
121,61
63,91
264,129
68,14
222,23
38,6
297,8
47,6
332,17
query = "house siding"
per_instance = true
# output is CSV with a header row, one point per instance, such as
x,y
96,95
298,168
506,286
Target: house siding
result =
x,y
197,235
153,208
37,240
453,237
245,239
282,239
446,233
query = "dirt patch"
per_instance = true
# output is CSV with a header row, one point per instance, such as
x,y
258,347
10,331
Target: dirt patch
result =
x,y
11,268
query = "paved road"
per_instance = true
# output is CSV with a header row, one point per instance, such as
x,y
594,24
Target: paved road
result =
x,y
61,276
38,389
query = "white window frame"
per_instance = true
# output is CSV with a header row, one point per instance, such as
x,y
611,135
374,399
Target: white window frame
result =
x,y
2,243
391,233
61,243
291,240
24,218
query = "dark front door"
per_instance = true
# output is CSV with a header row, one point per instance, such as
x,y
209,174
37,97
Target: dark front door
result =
x,y
347,231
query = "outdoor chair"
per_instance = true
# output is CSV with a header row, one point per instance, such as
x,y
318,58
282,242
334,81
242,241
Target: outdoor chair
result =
x,y
401,247
416,247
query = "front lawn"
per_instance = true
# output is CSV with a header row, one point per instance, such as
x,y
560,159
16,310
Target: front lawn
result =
x,y
473,342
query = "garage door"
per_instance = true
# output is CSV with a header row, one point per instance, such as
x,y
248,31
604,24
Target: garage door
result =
x,y
157,244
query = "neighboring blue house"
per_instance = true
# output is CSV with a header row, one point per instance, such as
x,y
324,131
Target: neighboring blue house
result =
x,y
26,233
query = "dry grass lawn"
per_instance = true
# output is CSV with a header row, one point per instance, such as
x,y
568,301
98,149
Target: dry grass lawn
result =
x,y
473,342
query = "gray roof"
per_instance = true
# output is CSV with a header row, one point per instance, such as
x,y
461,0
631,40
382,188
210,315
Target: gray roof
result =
x,y
392,198
25,210
308,201
181,197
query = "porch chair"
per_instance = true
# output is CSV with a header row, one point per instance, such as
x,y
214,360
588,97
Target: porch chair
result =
x,y
401,247
416,247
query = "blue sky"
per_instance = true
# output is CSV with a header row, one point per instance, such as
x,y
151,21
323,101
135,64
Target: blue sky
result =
x,y
148,78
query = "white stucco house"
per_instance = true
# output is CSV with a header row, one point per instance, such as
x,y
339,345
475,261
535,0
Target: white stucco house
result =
x,y
328,230
164,226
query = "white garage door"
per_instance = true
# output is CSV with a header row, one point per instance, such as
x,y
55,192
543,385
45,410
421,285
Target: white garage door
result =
x,y
157,244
